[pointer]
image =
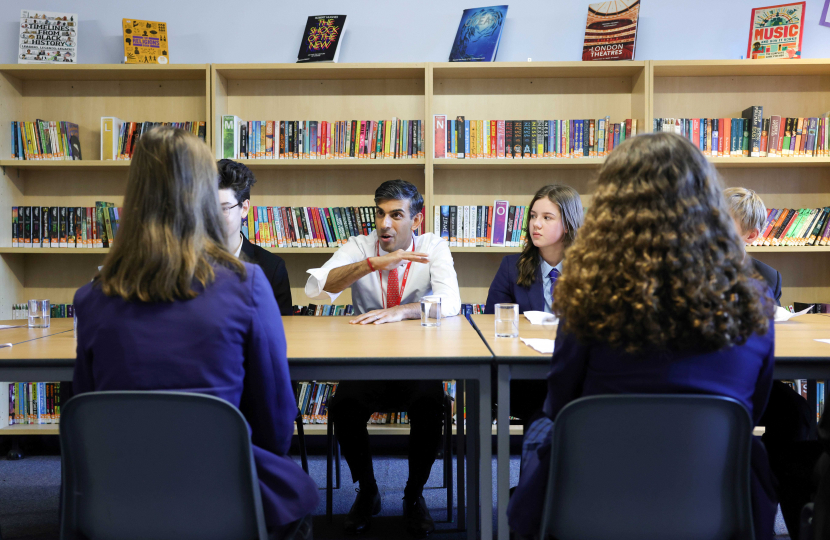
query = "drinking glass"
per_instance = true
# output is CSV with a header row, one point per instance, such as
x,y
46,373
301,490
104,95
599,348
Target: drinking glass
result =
x,y
507,320
431,311
39,313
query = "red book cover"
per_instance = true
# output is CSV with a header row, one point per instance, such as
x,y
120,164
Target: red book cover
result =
x,y
256,225
727,137
696,132
776,31
628,134
439,139
493,139
271,237
362,142
611,31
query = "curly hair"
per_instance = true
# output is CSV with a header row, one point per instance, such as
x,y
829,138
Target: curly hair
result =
x,y
658,263
570,208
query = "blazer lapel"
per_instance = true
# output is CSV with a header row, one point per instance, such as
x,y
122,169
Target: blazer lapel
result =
x,y
536,294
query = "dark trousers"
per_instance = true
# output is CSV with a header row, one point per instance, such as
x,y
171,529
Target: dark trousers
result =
x,y
353,405
526,400
790,440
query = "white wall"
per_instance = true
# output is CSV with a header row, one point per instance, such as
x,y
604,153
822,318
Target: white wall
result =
x,y
234,31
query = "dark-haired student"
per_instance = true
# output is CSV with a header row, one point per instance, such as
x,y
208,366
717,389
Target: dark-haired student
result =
x,y
183,313
645,307
389,271
529,278
790,426
235,181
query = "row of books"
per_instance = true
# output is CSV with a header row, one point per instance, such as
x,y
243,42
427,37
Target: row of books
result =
x,y
319,310
306,226
45,139
752,135
790,227
817,307
57,311
33,402
482,226
528,139
62,226
472,309
312,401
118,138
800,386
312,139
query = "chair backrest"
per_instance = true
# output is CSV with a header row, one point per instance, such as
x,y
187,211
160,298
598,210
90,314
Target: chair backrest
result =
x,y
160,465
631,467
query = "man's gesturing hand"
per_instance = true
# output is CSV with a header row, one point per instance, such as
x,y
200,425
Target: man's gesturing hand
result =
x,y
394,259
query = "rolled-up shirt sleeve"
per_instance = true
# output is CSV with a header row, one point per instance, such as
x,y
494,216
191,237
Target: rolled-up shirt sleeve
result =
x,y
443,279
347,254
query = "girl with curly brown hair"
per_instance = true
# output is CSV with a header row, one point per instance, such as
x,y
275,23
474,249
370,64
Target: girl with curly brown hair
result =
x,y
656,297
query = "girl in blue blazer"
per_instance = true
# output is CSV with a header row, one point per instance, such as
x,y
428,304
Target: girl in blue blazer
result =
x,y
528,278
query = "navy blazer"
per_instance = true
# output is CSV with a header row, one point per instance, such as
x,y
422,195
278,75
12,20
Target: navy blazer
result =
x,y
772,277
227,342
274,268
505,288
742,372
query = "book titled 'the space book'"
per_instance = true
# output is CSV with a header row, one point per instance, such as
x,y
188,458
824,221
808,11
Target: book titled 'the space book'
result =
x,y
321,39
479,34
611,30
47,37
775,31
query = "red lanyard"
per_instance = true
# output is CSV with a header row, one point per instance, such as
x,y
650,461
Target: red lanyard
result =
x,y
403,281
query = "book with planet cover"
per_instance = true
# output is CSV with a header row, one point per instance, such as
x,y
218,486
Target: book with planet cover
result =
x,y
145,42
479,34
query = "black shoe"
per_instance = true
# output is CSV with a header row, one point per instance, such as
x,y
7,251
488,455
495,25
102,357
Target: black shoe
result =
x,y
416,517
360,516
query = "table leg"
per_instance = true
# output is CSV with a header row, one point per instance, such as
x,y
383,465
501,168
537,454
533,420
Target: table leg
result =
x,y
460,399
503,436
486,453
472,459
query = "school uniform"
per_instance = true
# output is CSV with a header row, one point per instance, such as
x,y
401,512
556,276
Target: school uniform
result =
x,y
742,372
423,400
227,342
274,269
526,396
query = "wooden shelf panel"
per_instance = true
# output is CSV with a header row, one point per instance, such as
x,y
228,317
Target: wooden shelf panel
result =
x,y
523,164
318,164
386,429
787,249
511,70
747,162
31,429
106,72
731,68
267,72
55,251
66,165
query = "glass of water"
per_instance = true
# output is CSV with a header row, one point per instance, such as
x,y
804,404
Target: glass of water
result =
x,y
431,311
39,313
507,320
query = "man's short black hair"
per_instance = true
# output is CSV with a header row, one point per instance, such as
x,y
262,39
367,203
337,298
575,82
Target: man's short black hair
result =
x,y
236,176
399,190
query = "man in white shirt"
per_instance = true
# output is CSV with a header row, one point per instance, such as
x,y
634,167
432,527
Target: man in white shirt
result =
x,y
389,271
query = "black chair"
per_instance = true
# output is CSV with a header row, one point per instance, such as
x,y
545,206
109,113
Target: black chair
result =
x,y
631,467
333,454
160,465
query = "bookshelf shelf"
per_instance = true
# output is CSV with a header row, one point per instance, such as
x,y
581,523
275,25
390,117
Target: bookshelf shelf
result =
x,y
740,68
55,251
294,72
774,163
788,249
304,250
505,250
66,165
520,164
105,72
332,164
31,429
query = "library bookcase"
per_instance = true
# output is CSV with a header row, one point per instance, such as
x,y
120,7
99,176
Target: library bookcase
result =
x,y
640,90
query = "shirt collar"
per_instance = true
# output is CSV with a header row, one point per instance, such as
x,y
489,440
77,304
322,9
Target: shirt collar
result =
x,y
239,249
546,268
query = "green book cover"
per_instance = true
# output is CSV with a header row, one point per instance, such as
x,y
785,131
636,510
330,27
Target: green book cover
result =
x,y
228,130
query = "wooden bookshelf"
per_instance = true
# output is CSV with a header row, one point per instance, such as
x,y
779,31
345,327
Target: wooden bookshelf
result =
x,y
723,89
641,90
81,94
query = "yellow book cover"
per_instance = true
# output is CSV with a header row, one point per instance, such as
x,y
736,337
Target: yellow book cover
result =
x,y
145,42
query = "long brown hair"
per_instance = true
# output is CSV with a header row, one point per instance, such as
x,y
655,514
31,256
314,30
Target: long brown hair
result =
x,y
171,231
658,264
570,208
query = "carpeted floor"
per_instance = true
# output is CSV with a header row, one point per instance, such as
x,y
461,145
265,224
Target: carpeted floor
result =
x,y
29,499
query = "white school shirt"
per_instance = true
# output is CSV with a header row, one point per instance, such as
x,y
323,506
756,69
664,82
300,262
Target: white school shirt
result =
x,y
437,277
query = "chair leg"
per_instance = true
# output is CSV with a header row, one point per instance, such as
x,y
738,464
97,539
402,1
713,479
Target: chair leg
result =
x,y
301,444
336,464
448,456
329,450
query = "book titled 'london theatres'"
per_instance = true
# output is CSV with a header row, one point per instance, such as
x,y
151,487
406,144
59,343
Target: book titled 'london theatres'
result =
x,y
611,30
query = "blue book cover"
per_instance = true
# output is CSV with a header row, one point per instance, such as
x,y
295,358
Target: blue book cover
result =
x,y
479,34
467,138
445,222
